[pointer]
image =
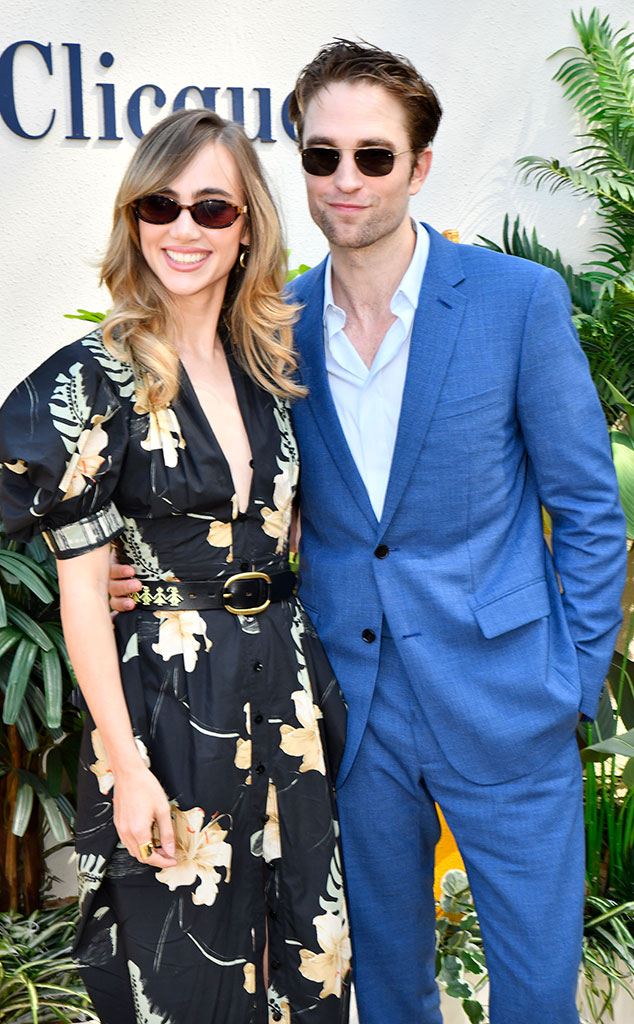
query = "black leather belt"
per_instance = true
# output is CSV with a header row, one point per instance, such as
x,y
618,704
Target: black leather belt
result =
x,y
245,593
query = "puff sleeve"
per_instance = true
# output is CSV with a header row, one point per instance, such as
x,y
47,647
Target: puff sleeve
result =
x,y
63,436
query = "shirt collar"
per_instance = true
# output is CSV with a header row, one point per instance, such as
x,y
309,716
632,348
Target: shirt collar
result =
x,y
407,293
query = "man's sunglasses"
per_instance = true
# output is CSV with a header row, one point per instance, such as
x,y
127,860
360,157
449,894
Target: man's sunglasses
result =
x,y
373,161
209,213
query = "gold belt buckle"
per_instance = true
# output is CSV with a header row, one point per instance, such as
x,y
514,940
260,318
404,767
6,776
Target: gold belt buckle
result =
x,y
245,576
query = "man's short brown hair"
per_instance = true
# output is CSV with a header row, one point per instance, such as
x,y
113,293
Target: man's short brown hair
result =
x,y
347,61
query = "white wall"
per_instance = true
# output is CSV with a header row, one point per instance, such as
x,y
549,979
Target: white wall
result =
x,y
486,58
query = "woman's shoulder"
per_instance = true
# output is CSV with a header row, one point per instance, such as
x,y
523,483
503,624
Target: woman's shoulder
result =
x,y
89,358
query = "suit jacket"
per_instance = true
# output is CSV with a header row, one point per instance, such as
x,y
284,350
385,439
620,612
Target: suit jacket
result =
x,y
499,415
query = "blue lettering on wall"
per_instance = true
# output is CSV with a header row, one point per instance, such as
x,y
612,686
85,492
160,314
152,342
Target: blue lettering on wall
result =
x,y
7,87
207,95
107,90
107,98
76,92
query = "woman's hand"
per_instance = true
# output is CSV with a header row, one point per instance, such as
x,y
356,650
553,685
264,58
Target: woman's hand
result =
x,y
121,583
140,809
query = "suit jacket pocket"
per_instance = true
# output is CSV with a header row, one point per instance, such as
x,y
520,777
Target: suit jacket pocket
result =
x,y
467,405
513,609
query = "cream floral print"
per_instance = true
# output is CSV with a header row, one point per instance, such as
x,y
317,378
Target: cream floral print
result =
x,y
86,462
249,977
145,1013
331,966
17,467
221,534
278,1005
277,521
177,635
304,742
164,432
199,852
90,871
271,839
102,769
243,747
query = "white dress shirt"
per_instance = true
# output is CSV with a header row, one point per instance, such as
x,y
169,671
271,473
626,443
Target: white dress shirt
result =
x,y
368,400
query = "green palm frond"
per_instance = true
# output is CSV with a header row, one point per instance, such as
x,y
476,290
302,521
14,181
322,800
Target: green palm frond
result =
x,y
610,150
598,78
603,187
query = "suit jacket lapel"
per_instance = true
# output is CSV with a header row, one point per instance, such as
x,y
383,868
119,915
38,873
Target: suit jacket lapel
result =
x,y
436,324
309,338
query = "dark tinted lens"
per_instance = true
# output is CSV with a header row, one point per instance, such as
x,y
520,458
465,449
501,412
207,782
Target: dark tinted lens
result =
x,y
320,161
214,213
374,162
157,209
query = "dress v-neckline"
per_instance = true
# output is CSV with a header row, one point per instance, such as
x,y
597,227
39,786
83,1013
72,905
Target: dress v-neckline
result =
x,y
242,410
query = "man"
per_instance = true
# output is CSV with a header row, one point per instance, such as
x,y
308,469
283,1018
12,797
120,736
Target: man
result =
x,y
448,400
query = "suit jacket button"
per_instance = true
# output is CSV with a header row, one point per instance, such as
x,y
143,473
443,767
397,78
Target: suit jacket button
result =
x,y
382,551
369,636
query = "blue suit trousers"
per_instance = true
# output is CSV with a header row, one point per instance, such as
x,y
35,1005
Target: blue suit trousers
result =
x,y
523,846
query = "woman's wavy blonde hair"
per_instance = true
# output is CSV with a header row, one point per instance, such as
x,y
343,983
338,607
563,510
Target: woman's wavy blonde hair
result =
x,y
142,325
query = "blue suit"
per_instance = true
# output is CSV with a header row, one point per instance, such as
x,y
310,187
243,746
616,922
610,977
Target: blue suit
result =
x,y
452,601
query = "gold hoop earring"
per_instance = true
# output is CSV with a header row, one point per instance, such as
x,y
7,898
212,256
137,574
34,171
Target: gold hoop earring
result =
x,y
244,255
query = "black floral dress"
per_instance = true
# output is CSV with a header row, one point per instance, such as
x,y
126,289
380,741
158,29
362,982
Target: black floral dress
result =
x,y
238,716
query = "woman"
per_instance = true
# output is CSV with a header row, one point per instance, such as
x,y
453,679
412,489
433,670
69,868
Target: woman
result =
x,y
209,867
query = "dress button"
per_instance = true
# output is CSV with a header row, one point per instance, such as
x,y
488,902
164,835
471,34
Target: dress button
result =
x,y
244,566
259,768
277,1015
273,915
369,636
275,964
265,818
258,719
382,551
257,666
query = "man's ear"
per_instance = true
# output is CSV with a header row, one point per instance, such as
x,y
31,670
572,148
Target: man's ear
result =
x,y
420,171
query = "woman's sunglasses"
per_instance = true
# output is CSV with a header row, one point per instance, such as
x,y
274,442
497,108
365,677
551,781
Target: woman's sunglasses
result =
x,y
372,161
209,213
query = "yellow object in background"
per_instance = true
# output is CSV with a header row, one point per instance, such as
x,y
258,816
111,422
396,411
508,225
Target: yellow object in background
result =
x,y
447,854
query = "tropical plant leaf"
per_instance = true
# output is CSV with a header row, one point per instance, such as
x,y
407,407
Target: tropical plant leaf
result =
x,y
56,635
8,639
623,456
28,625
622,743
474,1011
17,682
598,77
619,398
86,314
52,674
22,809
54,818
24,572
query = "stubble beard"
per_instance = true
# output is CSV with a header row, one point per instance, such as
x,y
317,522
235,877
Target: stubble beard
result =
x,y
354,238
347,237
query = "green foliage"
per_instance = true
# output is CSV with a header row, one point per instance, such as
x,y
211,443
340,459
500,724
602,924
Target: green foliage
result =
x,y
39,982
36,679
85,314
622,439
598,78
459,953
608,945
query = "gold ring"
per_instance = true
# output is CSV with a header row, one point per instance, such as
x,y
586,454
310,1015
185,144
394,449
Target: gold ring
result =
x,y
146,850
